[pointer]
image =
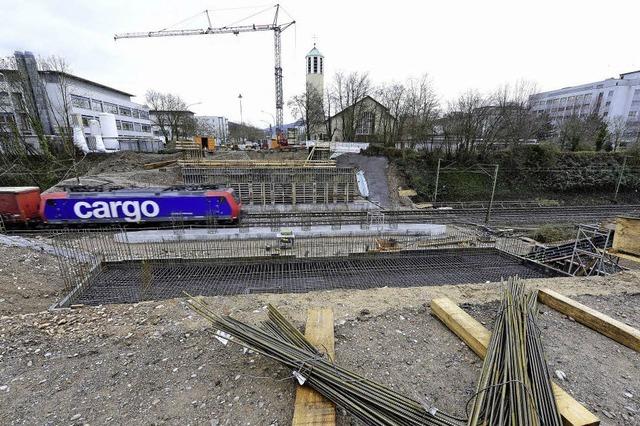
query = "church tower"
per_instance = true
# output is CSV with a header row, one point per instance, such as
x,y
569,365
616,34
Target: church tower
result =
x,y
315,69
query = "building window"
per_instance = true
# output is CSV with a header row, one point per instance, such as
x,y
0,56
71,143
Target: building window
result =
x,y
25,126
137,127
85,120
127,125
112,108
607,103
308,65
315,64
321,66
146,128
632,114
118,125
18,100
610,94
135,113
365,124
606,113
80,102
96,105
4,99
125,111
144,115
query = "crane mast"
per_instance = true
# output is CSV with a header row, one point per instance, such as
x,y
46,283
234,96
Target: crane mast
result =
x,y
275,27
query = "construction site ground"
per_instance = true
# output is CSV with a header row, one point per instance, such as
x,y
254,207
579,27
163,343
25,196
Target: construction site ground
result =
x,y
159,363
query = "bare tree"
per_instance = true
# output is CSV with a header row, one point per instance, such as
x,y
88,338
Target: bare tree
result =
x,y
346,93
394,97
308,106
517,122
36,154
170,115
617,130
577,133
421,110
469,119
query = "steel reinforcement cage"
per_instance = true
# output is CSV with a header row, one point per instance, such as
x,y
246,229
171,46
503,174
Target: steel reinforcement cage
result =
x,y
85,254
294,185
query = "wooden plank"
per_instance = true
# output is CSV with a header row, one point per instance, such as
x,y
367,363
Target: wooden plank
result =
x,y
311,408
614,329
157,165
477,337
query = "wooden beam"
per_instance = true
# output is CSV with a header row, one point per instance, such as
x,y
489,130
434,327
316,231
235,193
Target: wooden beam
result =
x,y
616,330
477,337
311,408
158,164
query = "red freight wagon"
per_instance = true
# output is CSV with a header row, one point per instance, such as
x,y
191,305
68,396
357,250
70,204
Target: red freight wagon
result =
x,y
19,203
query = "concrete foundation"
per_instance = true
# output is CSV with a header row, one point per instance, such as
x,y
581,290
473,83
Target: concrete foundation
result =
x,y
260,233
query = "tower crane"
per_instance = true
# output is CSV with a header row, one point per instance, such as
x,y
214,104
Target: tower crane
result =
x,y
276,27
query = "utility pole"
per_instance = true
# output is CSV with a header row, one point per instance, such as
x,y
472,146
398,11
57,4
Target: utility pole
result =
x,y
493,192
435,192
240,99
624,163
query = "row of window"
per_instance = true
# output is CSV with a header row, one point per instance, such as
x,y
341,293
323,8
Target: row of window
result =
x,y
97,105
16,98
133,126
122,125
318,67
7,119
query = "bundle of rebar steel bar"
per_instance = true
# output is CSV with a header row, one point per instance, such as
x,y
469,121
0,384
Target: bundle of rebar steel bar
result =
x,y
370,402
515,385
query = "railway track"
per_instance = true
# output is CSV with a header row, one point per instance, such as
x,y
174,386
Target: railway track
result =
x,y
499,216
503,215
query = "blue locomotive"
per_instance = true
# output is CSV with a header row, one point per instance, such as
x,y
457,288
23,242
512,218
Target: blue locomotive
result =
x,y
139,206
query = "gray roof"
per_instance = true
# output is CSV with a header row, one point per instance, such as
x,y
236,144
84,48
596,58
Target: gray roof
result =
x,y
315,52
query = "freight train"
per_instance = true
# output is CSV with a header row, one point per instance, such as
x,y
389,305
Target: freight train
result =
x,y
82,206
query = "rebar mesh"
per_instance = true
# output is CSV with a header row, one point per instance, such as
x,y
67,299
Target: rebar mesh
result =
x,y
134,281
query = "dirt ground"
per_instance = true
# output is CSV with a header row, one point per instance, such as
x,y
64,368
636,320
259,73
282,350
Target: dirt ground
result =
x,y
158,363
29,281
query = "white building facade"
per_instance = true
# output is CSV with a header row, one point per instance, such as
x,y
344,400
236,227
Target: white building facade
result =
x,y
218,126
54,94
613,99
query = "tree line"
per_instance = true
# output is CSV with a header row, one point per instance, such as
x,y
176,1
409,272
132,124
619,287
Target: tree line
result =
x,y
473,122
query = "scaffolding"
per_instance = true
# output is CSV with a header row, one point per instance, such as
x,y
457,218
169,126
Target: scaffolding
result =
x,y
587,255
591,257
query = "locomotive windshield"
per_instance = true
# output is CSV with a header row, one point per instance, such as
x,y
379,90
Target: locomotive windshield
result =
x,y
234,195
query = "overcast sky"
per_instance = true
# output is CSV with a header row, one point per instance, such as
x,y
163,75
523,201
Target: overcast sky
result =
x,y
461,44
